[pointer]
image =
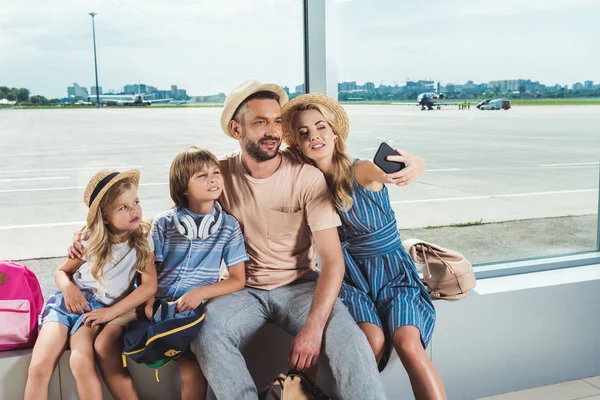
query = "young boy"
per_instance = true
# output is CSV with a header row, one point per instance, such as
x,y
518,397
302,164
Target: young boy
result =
x,y
190,242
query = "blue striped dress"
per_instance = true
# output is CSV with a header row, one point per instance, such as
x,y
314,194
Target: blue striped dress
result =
x,y
381,283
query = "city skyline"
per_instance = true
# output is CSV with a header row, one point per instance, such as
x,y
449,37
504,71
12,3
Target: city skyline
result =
x,y
213,46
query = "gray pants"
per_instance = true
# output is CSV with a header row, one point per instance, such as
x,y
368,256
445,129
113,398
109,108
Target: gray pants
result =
x,y
233,318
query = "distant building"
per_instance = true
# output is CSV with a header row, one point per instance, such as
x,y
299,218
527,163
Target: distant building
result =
x,y
93,88
347,86
588,84
577,86
369,86
77,92
287,90
300,89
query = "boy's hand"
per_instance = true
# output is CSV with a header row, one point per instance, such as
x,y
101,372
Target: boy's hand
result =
x,y
190,301
99,316
75,250
75,300
148,310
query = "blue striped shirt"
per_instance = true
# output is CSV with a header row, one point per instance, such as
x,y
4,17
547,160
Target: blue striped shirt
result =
x,y
178,275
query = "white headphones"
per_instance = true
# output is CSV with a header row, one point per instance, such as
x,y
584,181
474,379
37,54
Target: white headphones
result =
x,y
187,227
208,224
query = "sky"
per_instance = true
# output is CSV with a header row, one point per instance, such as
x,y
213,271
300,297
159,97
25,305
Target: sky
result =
x,y
210,46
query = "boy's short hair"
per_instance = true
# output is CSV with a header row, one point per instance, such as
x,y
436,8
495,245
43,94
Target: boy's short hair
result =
x,y
184,166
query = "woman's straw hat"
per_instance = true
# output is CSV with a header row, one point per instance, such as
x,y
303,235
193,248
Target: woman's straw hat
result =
x,y
100,184
326,102
241,93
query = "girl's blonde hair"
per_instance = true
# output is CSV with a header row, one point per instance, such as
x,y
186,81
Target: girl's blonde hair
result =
x,y
342,183
100,239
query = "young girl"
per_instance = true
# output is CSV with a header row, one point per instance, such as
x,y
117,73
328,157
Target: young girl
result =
x,y
95,300
381,288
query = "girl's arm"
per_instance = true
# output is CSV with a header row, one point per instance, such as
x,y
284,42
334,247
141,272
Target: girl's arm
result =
x,y
74,299
236,282
371,177
142,293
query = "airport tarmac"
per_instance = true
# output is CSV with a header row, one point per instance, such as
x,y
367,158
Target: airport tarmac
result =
x,y
525,163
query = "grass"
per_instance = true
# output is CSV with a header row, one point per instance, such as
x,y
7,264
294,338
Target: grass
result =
x,y
556,102
514,102
461,225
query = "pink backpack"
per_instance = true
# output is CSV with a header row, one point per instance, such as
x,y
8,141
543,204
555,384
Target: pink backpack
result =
x,y
21,302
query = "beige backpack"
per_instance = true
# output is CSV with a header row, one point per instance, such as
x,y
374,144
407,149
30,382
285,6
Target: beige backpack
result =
x,y
447,274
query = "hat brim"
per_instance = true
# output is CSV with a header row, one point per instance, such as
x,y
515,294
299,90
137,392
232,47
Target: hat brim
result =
x,y
93,210
239,98
332,106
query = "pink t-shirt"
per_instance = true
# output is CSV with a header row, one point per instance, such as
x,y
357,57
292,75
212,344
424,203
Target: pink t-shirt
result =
x,y
277,215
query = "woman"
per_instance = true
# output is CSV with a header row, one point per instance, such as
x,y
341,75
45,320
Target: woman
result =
x,y
382,288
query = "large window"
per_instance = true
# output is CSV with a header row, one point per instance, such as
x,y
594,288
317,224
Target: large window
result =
x,y
192,52
501,184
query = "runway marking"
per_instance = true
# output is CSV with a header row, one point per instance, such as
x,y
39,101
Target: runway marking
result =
x,y
369,149
507,168
68,169
77,223
34,179
382,138
573,164
492,196
91,149
68,188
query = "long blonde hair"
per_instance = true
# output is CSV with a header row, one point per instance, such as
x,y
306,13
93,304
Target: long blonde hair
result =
x,y
100,239
342,183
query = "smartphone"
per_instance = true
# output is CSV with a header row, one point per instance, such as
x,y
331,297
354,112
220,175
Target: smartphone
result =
x,y
389,167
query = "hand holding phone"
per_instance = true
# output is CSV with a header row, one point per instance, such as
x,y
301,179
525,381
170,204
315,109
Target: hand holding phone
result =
x,y
389,167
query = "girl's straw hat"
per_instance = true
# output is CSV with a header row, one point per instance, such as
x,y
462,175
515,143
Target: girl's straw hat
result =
x,y
325,101
99,185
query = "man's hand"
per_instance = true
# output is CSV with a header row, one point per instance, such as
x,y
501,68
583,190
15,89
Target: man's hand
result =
x,y
191,300
75,300
415,166
99,316
305,349
75,250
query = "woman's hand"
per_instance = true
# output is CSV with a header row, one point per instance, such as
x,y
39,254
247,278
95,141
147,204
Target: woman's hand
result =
x,y
294,153
415,166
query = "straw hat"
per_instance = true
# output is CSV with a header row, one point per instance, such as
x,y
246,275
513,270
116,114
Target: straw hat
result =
x,y
99,185
326,102
241,93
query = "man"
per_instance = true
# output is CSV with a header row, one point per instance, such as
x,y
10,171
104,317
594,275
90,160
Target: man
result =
x,y
283,207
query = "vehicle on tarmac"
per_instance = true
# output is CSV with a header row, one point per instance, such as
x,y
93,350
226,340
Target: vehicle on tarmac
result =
x,y
497,104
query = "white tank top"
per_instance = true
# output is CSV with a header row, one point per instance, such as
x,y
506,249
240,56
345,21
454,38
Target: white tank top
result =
x,y
119,274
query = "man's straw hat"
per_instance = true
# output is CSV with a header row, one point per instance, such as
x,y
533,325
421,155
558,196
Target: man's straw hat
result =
x,y
100,184
332,106
241,93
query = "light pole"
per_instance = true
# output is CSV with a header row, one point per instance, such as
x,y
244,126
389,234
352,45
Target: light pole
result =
x,y
93,14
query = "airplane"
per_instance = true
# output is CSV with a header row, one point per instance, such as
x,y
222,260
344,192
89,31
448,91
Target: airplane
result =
x,y
429,100
125,100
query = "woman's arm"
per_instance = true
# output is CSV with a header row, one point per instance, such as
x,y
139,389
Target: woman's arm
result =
x,y
75,301
371,177
236,282
141,294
